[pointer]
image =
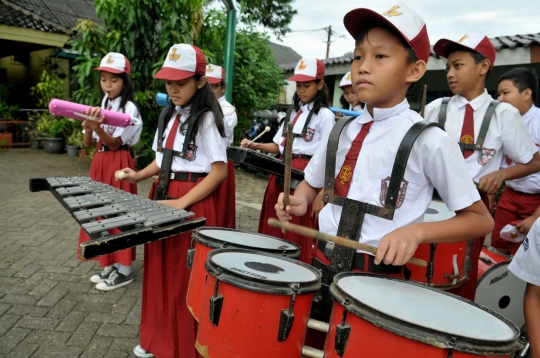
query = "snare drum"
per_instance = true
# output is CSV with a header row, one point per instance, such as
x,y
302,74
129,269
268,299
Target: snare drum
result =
x,y
498,288
384,317
447,263
208,238
255,305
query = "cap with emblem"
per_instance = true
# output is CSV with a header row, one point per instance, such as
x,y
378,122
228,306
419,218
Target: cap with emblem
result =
x,y
472,41
182,61
215,74
400,17
114,62
308,69
346,80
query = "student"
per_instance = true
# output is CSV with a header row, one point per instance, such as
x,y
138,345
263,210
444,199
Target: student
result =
x,y
167,327
391,52
470,61
310,103
226,193
112,154
526,266
520,200
349,93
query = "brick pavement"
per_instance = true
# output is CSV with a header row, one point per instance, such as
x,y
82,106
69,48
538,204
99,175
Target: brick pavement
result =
x,y
48,307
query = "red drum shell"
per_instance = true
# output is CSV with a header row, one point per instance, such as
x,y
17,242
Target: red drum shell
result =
x,y
489,257
203,245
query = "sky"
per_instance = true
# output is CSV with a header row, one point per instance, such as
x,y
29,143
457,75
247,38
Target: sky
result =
x,y
444,18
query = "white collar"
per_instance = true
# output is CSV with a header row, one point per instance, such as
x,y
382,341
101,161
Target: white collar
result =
x,y
184,111
115,102
475,103
380,114
306,107
530,113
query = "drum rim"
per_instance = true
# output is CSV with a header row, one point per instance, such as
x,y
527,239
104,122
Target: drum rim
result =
x,y
422,334
492,268
256,285
213,243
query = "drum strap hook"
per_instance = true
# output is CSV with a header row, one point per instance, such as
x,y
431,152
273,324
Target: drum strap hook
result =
x,y
343,331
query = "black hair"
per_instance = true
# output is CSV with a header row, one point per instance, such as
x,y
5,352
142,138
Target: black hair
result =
x,y
477,56
321,98
343,102
411,57
128,94
522,78
203,100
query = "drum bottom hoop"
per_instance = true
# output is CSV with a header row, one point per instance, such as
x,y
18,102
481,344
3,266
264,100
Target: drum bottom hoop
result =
x,y
446,286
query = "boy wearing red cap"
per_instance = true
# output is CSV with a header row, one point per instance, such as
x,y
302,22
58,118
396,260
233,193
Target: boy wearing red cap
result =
x,y
391,52
484,128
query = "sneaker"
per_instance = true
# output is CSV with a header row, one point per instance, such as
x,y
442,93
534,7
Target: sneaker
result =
x,y
139,352
107,270
115,280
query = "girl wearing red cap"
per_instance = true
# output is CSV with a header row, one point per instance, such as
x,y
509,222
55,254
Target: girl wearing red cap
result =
x,y
313,122
193,128
112,154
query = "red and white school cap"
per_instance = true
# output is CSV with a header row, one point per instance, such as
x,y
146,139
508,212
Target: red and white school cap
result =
x,y
473,41
114,62
182,61
215,74
346,80
308,69
400,17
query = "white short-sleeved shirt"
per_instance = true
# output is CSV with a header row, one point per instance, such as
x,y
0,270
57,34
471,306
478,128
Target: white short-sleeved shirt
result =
x,y
319,129
129,135
209,146
530,184
357,108
229,114
507,133
526,262
435,161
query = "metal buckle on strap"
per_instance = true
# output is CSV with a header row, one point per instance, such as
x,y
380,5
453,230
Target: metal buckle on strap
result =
x,y
171,176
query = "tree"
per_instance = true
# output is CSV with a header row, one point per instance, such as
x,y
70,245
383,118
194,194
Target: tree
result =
x,y
275,15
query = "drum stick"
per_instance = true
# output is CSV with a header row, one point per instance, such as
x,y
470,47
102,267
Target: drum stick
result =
x,y
306,231
288,162
266,129
424,98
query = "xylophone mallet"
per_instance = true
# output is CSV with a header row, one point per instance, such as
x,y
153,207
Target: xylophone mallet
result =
x,y
306,231
266,129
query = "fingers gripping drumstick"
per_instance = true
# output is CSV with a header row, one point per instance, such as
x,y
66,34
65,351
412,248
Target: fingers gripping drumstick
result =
x,y
266,129
305,231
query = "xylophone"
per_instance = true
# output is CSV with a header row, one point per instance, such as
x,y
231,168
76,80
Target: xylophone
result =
x,y
114,219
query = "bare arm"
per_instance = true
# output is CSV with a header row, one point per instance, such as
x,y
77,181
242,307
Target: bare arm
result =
x,y
131,176
265,147
492,182
531,307
397,247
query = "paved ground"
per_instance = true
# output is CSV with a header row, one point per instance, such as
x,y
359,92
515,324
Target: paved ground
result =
x,y
48,307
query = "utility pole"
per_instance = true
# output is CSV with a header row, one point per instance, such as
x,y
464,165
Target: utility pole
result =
x,y
328,41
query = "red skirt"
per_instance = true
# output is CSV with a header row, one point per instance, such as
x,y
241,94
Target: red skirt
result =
x,y
226,200
103,167
307,251
167,328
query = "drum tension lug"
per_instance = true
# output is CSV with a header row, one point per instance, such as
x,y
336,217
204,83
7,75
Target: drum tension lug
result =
x,y
190,255
343,331
286,319
452,344
216,303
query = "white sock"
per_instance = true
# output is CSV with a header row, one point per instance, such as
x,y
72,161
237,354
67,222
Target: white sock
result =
x,y
124,270
117,265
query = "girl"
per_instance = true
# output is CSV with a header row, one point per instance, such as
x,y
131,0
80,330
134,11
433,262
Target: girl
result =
x,y
113,154
194,126
313,122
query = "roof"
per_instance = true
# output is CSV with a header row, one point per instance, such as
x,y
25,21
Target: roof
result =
x,y
59,14
500,43
11,17
283,54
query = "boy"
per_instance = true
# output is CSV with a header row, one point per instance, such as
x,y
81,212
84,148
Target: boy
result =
x,y
470,61
525,266
520,200
391,52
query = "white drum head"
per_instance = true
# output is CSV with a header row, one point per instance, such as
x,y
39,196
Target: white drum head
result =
x,y
425,308
264,267
438,211
501,291
248,239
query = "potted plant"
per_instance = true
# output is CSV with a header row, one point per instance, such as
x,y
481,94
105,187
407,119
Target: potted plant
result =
x,y
74,142
7,113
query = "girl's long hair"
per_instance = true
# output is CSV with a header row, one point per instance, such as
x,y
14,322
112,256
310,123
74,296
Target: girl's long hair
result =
x,y
203,100
321,98
127,93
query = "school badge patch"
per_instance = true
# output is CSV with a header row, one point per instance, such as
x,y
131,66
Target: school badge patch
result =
x,y
309,134
401,195
191,153
526,244
345,174
486,155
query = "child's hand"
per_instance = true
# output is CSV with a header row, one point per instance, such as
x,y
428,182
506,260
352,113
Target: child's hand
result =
x,y
317,206
397,247
297,206
86,126
491,183
95,113
525,226
127,174
245,143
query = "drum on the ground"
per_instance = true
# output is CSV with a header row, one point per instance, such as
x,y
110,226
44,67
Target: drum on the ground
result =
x,y
384,317
255,305
498,288
447,263
207,239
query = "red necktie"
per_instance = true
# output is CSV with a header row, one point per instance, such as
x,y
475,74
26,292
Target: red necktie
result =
x,y
284,141
467,131
100,142
342,183
172,134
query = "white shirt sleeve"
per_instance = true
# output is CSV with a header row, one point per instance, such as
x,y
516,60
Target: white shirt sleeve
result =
x,y
431,112
131,134
215,145
327,123
314,172
517,140
526,262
